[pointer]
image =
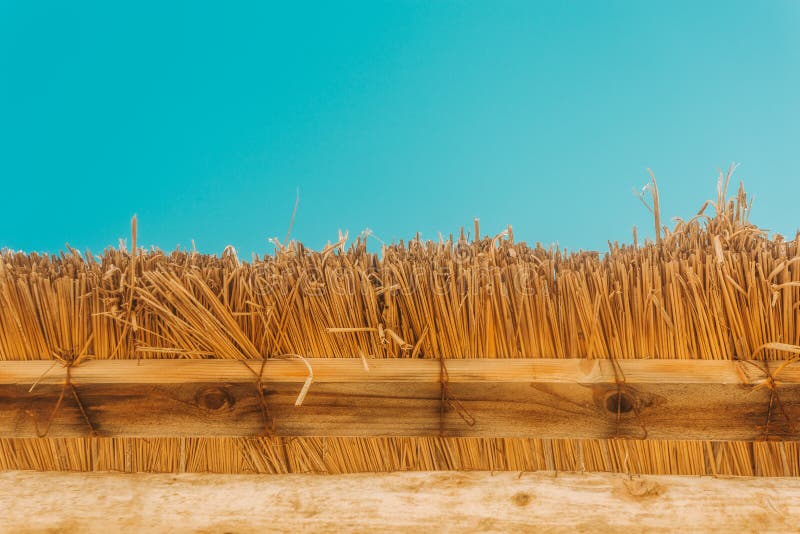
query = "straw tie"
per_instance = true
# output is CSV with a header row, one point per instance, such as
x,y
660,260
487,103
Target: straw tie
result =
x,y
622,391
269,422
771,384
448,400
68,364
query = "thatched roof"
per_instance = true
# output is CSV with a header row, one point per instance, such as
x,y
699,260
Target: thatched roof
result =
x,y
713,287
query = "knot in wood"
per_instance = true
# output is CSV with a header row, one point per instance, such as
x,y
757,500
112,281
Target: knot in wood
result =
x,y
620,402
214,399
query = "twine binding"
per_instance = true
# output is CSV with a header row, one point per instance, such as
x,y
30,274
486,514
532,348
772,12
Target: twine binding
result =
x,y
68,364
448,400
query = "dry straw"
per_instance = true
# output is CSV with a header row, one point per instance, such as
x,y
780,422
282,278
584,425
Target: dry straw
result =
x,y
712,287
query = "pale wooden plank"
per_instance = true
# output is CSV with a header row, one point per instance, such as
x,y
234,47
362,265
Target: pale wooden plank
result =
x,y
397,502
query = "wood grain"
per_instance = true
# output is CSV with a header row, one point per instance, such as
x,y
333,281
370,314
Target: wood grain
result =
x,y
397,502
550,398
573,370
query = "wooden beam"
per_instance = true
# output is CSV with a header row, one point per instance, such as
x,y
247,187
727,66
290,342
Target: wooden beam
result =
x,y
397,502
553,398
337,370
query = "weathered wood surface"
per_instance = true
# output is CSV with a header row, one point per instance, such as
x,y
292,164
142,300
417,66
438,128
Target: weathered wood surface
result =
x,y
660,399
398,502
549,370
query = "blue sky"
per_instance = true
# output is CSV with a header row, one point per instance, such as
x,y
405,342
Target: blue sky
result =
x,y
204,119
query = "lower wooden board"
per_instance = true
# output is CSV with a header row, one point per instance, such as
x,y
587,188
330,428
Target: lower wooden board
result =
x,y
659,399
396,502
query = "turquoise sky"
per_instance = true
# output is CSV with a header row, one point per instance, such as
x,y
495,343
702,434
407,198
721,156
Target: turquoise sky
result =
x,y
394,116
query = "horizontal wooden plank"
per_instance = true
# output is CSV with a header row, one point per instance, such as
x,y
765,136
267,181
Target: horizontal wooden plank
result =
x,y
660,399
397,502
523,370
